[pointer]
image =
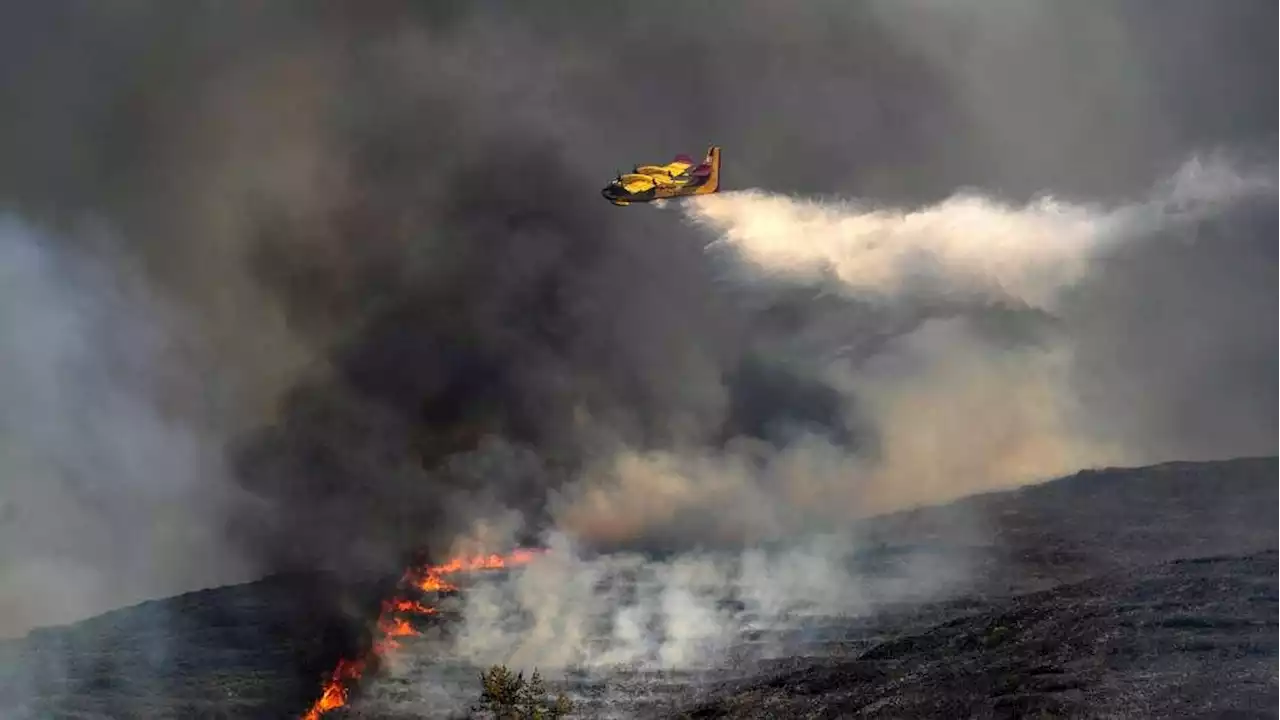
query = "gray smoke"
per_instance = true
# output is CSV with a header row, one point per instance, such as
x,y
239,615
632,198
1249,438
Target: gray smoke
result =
x,y
115,488
378,234
791,503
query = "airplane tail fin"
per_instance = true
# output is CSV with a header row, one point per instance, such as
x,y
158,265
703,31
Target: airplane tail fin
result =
x,y
713,183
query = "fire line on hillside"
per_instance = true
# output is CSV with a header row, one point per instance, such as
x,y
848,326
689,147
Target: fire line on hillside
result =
x,y
394,619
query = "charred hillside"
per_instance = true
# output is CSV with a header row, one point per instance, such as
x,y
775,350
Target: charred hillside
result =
x,y
1099,521
1147,591
254,650
1188,638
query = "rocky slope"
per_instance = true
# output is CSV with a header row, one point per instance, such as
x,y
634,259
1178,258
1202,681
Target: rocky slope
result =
x,y
1147,592
1190,638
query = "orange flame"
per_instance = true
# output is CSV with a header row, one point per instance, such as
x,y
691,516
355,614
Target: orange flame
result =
x,y
391,624
412,606
433,583
335,691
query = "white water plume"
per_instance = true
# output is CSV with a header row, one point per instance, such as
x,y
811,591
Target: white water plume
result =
x,y
967,245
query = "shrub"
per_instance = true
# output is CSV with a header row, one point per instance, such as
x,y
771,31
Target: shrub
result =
x,y
505,695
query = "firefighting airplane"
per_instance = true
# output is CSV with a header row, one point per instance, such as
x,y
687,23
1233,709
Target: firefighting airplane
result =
x,y
679,178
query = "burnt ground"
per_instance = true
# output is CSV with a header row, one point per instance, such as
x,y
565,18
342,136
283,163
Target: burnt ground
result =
x,y
1190,638
243,651
1147,592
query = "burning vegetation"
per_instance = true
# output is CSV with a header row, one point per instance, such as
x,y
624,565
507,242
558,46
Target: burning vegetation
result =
x,y
395,619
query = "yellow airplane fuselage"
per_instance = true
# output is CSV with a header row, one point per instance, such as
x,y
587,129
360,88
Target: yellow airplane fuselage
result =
x,y
657,182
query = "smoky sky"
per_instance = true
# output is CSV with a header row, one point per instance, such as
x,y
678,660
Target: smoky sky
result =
x,y
383,226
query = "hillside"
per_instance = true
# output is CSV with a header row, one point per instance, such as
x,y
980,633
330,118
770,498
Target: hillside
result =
x,y
1136,592
1097,521
1190,638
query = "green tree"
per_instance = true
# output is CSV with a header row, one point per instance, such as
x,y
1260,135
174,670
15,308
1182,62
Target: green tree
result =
x,y
505,695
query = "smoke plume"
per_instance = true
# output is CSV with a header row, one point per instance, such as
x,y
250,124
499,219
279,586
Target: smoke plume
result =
x,y
918,388
954,405
362,298
114,481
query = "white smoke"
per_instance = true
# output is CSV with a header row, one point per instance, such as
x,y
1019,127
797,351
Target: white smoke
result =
x,y
110,488
684,613
629,620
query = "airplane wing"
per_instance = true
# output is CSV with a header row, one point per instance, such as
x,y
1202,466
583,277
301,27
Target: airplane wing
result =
x,y
671,169
636,182
678,166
